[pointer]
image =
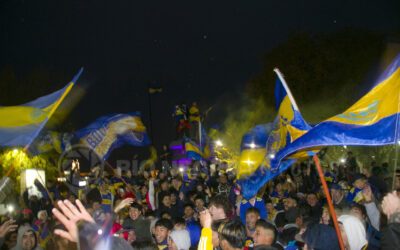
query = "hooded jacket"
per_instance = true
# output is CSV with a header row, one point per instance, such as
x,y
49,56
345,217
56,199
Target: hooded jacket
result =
x,y
181,239
21,232
355,231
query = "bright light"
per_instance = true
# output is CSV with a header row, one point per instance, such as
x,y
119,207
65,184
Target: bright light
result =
x,y
252,145
15,151
216,158
10,208
248,162
271,156
219,143
61,179
82,183
398,142
28,177
99,232
343,160
345,146
181,170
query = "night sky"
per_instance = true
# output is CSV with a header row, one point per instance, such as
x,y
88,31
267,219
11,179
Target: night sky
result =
x,y
194,50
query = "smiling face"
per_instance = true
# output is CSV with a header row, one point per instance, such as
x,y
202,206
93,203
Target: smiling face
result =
x,y
134,213
28,240
161,234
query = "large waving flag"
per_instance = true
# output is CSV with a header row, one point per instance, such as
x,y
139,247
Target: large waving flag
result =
x,y
253,149
287,127
204,143
19,125
112,131
371,121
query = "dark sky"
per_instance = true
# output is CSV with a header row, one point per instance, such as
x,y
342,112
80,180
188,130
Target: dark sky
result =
x,y
195,50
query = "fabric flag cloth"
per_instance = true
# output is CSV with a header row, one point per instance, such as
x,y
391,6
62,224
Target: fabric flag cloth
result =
x,y
51,140
192,149
371,121
253,149
112,131
204,143
19,125
287,127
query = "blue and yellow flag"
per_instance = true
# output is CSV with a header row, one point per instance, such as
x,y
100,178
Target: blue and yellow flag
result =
x,y
19,125
193,150
371,121
204,143
112,131
51,140
253,149
286,128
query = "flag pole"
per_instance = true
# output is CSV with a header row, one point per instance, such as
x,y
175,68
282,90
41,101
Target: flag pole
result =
x,y
150,116
330,204
396,141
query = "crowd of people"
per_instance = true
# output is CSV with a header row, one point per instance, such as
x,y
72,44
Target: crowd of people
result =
x,y
205,209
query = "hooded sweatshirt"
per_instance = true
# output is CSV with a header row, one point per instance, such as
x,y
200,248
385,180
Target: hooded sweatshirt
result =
x,y
355,231
21,232
181,239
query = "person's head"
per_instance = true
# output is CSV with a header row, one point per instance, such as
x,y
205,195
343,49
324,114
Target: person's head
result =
x,y
94,199
11,239
176,182
144,245
293,216
214,229
312,199
358,211
149,215
188,210
289,202
199,203
337,192
173,198
269,206
42,215
165,215
252,216
319,236
179,240
135,211
164,185
179,223
232,234
143,190
326,216
352,231
163,228
220,207
279,187
166,200
199,187
359,181
265,233
26,238
223,178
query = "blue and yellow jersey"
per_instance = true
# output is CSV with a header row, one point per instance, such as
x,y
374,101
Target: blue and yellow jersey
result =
x,y
259,204
329,177
276,199
353,196
249,242
163,245
106,202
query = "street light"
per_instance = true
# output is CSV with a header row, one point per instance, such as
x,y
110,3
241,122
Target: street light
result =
x,y
252,145
219,143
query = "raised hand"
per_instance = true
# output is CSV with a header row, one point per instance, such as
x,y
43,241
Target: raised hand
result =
x,y
205,219
391,204
69,217
122,204
7,226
